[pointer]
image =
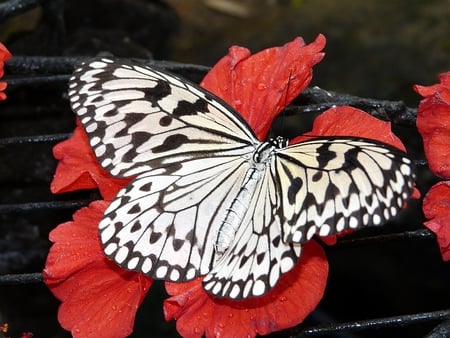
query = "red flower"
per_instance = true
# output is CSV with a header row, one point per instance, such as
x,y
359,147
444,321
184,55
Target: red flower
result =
x,y
259,86
4,56
433,122
287,304
98,297
436,207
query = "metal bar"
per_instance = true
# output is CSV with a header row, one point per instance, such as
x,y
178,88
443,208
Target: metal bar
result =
x,y
37,206
410,235
23,278
34,139
395,321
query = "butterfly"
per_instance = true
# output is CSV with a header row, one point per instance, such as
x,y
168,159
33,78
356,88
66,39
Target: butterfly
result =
x,y
208,198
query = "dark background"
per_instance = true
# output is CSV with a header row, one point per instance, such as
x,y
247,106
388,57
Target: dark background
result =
x,y
375,49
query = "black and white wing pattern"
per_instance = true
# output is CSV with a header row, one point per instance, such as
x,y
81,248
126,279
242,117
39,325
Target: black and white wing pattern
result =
x,y
140,119
209,199
332,184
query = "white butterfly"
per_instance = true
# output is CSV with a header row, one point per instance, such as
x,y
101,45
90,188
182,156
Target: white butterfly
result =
x,y
209,198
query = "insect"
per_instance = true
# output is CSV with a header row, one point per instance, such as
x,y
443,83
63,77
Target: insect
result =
x,y
208,198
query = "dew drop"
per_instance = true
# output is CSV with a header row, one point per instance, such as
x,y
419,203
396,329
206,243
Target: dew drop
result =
x,y
262,86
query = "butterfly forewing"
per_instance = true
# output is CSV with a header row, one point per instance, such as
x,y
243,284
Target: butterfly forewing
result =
x,y
207,197
139,118
333,184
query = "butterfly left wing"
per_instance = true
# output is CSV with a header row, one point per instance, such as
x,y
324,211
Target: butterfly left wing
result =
x,y
337,183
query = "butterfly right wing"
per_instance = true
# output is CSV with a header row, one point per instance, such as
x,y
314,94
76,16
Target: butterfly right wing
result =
x,y
332,184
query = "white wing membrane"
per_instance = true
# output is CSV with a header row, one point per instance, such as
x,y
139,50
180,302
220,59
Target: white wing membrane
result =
x,y
139,118
329,185
257,251
163,225
207,197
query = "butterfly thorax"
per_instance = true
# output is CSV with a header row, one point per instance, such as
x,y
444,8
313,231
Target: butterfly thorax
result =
x,y
236,212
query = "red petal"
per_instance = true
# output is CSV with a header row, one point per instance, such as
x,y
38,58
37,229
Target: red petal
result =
x,y
436,207
4,55
79,169
433,122
99,299
259,86
349,121
287,304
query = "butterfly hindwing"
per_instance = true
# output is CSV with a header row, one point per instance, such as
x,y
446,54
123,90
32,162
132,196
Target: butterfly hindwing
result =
x,y
163,225
258,256
333,184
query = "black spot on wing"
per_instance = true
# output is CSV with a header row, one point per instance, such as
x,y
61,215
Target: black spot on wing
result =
x,y
146,187
294,188
154,237
140,137
325,155
171,142
160,91
165,121
177,244
351,158
188,108
136,226
260,257
317,176
135,209
134,118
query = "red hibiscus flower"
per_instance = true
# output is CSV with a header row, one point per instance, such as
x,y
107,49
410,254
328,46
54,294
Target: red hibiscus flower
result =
x,y
98,297
4,56
258,86
433,122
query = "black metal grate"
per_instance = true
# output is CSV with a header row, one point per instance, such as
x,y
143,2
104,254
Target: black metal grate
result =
x,y
389,280
31,127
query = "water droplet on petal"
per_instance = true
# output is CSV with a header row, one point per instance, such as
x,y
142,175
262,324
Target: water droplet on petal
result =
x,y
262,86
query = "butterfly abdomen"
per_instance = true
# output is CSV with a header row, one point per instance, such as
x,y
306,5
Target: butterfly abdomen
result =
x,y
238,208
